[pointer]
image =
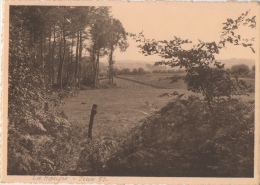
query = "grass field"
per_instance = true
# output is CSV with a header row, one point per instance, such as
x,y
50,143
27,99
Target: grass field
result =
x,y
120,109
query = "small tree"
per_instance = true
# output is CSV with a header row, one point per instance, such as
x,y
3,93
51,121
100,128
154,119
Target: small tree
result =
x,y
116,39
126,71
134,71
204,74
216,82
140,71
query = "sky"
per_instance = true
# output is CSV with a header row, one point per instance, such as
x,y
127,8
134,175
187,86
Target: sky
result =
x,y
164,20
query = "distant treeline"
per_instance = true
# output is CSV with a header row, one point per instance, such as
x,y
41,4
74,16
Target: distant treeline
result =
x,y
142,71
239,70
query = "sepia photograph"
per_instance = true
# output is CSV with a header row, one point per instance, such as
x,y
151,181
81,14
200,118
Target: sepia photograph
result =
x,y
132,90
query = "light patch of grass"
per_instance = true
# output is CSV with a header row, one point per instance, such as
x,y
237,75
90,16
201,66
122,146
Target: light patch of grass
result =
x,y
119,110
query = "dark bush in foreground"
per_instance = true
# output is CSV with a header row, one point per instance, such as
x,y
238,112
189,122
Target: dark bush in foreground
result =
x,y
41,145
185,140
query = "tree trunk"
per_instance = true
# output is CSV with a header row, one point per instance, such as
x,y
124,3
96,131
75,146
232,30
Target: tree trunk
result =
x,y
60,59
53,57
44,62
63,58
80,57
111,66
41,54
69,65
97,69
71,60
77,59
49,62
93,67
209,101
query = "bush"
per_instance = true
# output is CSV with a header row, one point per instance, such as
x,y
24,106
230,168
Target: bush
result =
x,y
240,70
93,158
134,71
88,80
141,71
185,140
40,145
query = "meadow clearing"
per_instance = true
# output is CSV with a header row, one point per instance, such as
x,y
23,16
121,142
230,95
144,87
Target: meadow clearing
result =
x,y
122,108
119,109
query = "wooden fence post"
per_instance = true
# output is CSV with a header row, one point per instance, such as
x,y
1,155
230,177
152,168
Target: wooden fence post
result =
x,y
93,113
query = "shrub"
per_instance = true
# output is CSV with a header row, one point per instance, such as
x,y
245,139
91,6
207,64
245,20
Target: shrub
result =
x,y
140,71
134,71
40,145
88,80
240,70
185,140
93,158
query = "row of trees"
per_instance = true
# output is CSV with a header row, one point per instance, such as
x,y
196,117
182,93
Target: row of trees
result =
x,y
239,70
58,37
142,71
127,71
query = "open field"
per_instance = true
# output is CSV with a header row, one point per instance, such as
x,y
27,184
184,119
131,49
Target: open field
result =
x,y
162,81
119,109
122,108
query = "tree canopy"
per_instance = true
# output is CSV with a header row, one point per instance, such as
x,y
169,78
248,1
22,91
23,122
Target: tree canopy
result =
x,y
204,74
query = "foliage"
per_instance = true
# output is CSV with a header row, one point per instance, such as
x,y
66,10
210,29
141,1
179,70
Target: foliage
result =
x,y
40,145
204,74
241,70
185,140
230,26
93,158
62,29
